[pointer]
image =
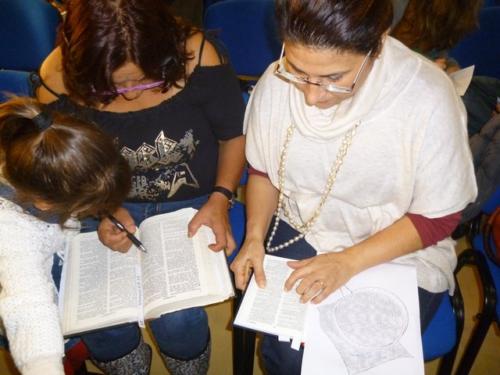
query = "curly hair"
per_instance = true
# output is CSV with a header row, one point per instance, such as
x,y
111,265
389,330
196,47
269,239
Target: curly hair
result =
x,y
436,25
67,163
99,36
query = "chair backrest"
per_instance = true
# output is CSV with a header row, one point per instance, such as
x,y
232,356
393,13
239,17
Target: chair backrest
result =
x,y
14,82
27,33
482,47
207,3
491,3
248,30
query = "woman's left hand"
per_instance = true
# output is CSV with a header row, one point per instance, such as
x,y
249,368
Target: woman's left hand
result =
x,y
214,214
320,275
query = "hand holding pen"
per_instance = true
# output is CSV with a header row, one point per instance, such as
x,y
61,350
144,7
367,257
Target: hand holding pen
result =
x,y
130,236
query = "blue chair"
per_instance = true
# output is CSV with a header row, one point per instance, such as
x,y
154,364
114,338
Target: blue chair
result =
x,y
491,3
248,30
482,47
14,82
489,275
27,33
442,337
207,3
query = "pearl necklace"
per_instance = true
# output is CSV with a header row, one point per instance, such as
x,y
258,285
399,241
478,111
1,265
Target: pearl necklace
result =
x,y
304,228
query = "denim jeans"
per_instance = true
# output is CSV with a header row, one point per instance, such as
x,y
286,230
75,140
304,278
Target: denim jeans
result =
x,y
182,334
278,357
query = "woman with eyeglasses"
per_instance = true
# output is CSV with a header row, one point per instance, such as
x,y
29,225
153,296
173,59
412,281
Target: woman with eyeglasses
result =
x,y
358,147
172,102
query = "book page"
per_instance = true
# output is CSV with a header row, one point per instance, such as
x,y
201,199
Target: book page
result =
x,y
170,267
271,309
100,285
369,326
178,270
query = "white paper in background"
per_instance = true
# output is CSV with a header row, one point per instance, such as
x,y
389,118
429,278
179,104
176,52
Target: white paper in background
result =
x,y
371,326
461,79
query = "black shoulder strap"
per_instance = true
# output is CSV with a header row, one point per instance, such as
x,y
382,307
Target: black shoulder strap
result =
x,y
202,45
217,45
36,81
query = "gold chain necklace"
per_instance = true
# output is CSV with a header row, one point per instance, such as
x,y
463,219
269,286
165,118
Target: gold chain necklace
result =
x,y
304,228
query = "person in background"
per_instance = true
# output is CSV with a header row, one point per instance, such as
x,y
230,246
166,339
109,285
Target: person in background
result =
x,y
191,10
432,27
51,166
358,147
173,104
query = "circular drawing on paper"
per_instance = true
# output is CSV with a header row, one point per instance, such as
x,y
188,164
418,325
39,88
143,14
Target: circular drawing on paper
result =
x,y
369,318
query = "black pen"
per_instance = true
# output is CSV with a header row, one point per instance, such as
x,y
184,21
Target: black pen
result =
x,y
130,236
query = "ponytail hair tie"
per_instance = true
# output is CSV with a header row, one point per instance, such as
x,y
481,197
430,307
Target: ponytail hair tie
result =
x,y
43,120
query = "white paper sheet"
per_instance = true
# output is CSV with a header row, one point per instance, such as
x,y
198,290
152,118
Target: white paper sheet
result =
x,y
461,79
369,326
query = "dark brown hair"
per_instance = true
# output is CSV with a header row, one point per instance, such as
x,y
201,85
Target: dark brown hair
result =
x,y
438,25
99,36
346,25
71,165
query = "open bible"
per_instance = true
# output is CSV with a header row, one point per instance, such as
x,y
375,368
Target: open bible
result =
x,y
101,288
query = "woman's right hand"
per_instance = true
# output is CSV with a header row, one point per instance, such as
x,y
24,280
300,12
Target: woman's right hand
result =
x,y
250,257
113,237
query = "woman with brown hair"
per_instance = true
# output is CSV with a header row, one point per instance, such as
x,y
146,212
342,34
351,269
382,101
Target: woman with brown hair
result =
x,y
173,103
51,166
432,27
358,147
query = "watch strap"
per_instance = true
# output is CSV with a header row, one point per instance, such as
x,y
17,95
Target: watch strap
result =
x,y
228,193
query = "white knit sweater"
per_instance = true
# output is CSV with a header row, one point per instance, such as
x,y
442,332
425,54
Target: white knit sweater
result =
x,y
410,154
28,297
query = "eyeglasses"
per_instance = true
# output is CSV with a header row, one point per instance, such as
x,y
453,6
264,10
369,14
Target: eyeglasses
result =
x,y
330,87
139,87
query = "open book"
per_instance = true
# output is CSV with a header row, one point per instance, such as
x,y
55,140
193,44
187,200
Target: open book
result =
x,y
371,325
101,288
271,309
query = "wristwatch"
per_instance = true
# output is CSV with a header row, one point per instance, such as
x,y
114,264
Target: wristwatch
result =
x,y
226,192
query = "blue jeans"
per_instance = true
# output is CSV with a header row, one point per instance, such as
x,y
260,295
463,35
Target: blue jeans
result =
x,y
182,334
278,357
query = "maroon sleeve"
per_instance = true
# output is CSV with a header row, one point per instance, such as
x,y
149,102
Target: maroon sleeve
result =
x,y
434,230
252,170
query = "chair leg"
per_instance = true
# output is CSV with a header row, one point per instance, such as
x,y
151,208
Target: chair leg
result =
x,y
485,318
448,360
473,345
243,344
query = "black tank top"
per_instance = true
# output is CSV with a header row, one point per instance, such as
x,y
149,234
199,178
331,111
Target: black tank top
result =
x,y
172,148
